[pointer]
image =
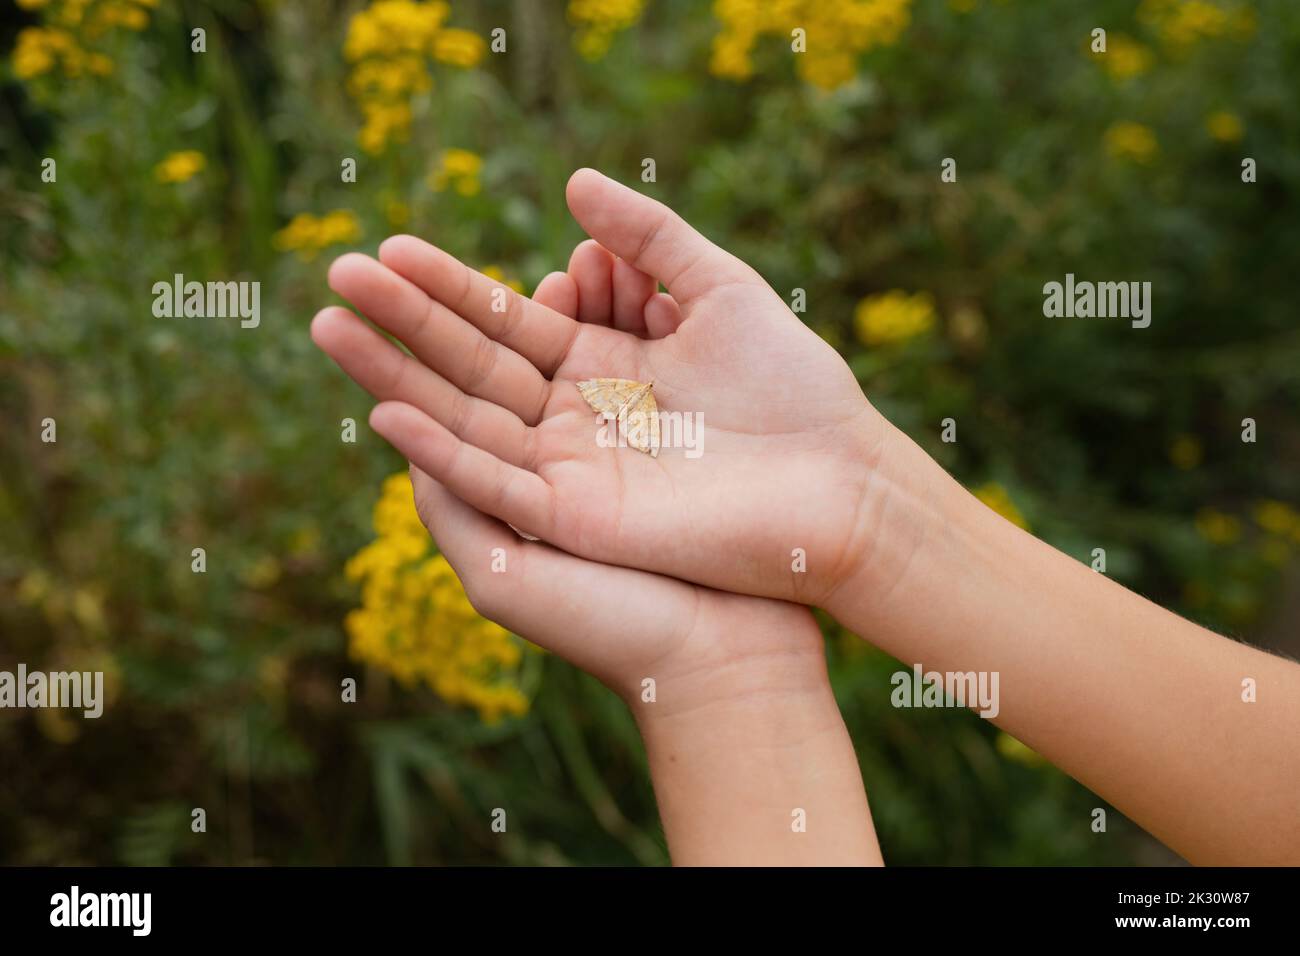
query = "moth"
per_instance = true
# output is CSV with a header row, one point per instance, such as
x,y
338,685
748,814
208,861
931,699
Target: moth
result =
x,y
632,404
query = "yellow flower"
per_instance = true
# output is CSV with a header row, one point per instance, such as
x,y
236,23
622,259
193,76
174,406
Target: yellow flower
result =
x,y
1185,452
1133,141
384,124
415,620
307,234
1125,57
597,21
459,48
179,167
33,55
893,316
1225,127
834,34
389,27
996,497
1278,518
33,587
458,168
116,13
1182,24
88,609
70,38
1216,527
829,72
390,44
731,56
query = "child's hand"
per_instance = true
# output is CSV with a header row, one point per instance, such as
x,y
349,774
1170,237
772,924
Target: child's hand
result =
x,y
621,625
793,456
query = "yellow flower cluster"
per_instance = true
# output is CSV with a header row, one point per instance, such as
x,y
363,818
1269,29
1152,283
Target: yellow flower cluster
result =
x,y
459,48
415,621
1132,141
996,497
1278,518
1279,521
1124,58
66,41
179,167
893,316
1225,127
596,22
61,601
307,234
459,169
1216,527
389,45
835,34
1182,24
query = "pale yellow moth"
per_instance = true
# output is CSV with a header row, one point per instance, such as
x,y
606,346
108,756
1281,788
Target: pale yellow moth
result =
x,y
632,404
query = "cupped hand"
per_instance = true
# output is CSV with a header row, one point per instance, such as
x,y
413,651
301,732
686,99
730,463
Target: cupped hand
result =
x,y
786,497
700,647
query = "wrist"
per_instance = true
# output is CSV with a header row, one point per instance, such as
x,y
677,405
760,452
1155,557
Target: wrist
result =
x,y
902,527
741,653
750,759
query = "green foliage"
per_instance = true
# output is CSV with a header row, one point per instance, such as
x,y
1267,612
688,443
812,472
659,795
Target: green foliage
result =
x,y
183,433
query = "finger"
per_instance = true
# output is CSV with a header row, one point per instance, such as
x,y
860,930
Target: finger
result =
x,y
440,338
632,288
591,266
554,599
477,477
389,374
558,291
539,334
662,316
653,238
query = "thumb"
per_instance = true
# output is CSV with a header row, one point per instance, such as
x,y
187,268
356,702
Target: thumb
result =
x,y
646,234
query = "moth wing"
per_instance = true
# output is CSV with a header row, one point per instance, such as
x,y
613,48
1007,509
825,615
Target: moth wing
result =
x,y
524,534
646,413
608,395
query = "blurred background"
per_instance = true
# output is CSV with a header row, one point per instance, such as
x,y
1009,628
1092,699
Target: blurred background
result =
x,y
822,169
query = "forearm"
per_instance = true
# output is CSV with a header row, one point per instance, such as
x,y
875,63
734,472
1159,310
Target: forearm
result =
x,y
1141,706
754,766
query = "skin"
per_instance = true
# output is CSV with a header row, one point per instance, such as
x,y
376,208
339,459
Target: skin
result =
x,y
1139,705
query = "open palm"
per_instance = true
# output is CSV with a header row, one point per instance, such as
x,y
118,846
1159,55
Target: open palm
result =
x,y
704,643
487,403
